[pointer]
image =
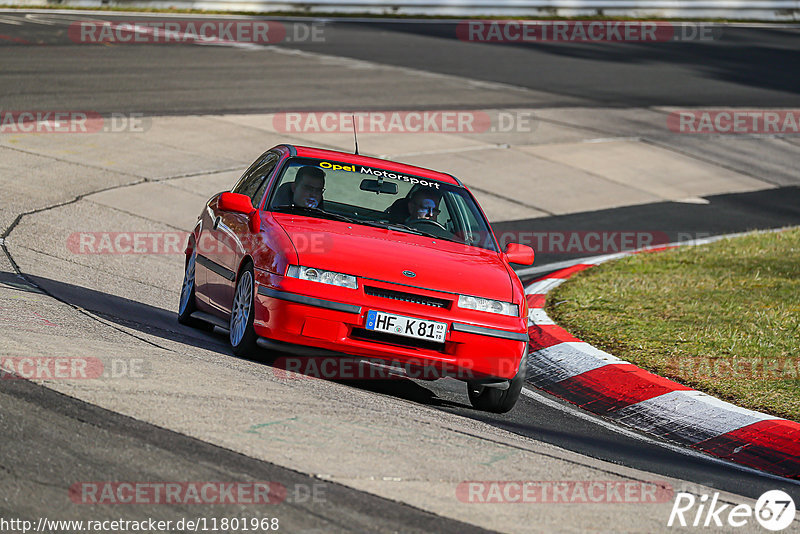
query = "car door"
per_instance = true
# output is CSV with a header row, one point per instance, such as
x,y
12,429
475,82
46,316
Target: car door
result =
x,y
207,271
230,236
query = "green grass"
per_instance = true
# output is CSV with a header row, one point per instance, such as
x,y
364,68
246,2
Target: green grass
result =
x,y
723,318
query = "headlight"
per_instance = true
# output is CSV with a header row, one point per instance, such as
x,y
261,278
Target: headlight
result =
x,y
325,277
488,305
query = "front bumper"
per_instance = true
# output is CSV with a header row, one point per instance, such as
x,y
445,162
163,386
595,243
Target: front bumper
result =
x,y
331,320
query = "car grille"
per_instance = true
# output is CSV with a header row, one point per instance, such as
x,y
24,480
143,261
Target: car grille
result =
x,y
406,297
383,337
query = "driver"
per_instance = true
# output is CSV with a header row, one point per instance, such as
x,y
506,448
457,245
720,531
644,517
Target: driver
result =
x,y
308,186
424,205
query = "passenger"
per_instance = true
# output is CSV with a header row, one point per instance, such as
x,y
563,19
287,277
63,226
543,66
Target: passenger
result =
x,y
424,205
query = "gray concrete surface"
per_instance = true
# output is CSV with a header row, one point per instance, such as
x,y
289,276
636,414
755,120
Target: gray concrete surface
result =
x,y
379,444
121,307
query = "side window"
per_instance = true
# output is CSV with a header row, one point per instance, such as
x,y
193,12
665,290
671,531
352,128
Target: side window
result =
x,y
263,173
248,174
254,181
468,226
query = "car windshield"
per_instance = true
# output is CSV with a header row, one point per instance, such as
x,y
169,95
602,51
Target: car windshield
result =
x,y
377,197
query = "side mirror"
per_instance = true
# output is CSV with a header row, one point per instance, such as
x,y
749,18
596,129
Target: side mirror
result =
x,y
375,186
520,254
236,203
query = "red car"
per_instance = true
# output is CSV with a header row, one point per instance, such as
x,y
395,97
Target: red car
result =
x,y
317,252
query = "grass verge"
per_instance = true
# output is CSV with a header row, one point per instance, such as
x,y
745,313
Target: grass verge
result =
x,y
722,318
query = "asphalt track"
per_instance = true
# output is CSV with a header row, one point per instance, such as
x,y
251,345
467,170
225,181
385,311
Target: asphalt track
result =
x,y
67,430
750,67
742,67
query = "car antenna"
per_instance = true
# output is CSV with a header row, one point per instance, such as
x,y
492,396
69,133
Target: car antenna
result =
x,y
355,133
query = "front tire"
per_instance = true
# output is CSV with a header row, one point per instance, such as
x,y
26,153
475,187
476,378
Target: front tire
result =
x,y
498,400
242,334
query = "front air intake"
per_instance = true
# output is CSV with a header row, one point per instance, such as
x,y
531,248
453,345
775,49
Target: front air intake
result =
x,y
406,297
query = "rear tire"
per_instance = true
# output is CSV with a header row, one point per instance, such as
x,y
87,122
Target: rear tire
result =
x,y
187,305
499,400
242,334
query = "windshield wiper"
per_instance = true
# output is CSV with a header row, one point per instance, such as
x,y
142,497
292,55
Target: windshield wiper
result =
x,y
401,226
398,227
317,212
391,226
322,213
424,233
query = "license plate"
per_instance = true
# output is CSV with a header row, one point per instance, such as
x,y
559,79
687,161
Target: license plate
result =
x,y
406,326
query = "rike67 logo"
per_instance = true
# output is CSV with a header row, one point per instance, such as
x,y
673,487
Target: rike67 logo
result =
x,y
774,510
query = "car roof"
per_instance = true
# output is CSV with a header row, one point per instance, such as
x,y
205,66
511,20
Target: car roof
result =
x,y
346,157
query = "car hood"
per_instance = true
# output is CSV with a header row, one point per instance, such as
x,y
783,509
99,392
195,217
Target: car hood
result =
x,y
383,254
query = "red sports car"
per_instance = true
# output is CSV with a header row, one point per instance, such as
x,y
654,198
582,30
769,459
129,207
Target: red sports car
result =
x,y
321,252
